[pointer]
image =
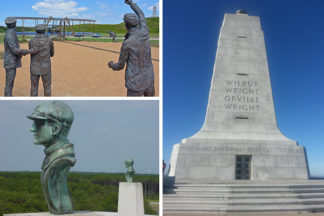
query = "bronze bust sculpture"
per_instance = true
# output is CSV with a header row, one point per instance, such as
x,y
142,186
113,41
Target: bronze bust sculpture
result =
x,y
52,123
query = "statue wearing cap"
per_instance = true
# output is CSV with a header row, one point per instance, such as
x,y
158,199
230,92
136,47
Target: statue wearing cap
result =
x,y
12,55
52,123
130,170
113,36
136,52
40,63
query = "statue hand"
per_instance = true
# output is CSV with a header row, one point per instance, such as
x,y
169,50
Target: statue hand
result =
x,y
33,51
24,52
128,2
109,64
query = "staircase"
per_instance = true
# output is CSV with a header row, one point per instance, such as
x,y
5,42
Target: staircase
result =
x,y
245,197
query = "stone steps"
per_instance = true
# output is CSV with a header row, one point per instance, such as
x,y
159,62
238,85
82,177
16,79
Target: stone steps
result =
x,y
268,201
246,209
244,196
248,190
248,197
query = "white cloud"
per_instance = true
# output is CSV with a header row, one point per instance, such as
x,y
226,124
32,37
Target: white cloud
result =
x,y
58,8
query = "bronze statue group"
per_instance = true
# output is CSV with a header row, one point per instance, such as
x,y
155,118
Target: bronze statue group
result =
x,y
135,53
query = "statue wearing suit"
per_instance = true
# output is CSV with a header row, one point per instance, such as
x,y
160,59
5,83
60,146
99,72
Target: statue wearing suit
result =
x,y
12,55
40,63
136,52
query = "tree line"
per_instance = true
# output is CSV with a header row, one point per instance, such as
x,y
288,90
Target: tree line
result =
x,y
21,192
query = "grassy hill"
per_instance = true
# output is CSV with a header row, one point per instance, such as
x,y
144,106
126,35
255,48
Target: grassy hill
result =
x,y
152,22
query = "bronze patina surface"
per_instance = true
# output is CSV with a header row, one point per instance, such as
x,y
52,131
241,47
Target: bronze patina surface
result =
x,y
51,126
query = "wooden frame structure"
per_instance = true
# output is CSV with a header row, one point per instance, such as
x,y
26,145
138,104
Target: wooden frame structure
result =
x,y
62,23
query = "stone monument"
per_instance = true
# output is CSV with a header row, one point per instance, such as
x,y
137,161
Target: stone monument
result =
x,y
52,123
240,138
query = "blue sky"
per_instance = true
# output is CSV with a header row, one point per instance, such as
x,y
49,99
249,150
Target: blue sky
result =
x,y
294,38
103,11
104,134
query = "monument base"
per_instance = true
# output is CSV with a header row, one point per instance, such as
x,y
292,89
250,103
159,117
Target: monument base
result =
x,y
83,213
209,160
130,199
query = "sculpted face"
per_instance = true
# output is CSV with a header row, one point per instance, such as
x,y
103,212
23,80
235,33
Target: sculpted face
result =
x,y
43,132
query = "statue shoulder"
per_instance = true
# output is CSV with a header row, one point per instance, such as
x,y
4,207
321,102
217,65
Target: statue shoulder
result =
x,y
62,156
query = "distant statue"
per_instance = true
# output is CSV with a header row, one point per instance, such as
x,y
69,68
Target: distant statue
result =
x,y
112,35
130,170
163,166
52,123
136,52
40,63
12,55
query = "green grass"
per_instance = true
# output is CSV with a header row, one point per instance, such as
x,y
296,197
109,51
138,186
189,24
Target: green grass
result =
x,y
20,39
92,39
154,43
152,22
22,192
1,54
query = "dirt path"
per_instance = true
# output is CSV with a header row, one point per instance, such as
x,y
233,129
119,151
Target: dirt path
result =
x,y
79,71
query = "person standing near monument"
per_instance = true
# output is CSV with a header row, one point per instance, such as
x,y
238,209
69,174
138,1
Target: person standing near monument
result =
x,y
40,64
136,51
12,55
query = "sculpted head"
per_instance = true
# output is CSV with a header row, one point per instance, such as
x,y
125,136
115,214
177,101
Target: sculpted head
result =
x,y
131,21
129,163
11,23
40,29
52,122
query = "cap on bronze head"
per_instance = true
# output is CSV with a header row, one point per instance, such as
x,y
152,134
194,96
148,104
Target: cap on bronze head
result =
x,y
131,19
40,28
53,110
10,22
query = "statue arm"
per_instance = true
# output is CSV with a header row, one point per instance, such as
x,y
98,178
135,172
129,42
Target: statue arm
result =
x,y
52,48
32,50
122,59
138,11
13,47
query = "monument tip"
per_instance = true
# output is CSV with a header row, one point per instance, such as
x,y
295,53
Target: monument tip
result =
x,y
241,11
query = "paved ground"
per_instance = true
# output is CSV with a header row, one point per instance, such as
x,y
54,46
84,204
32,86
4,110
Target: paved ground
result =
x,y
79,71
245,214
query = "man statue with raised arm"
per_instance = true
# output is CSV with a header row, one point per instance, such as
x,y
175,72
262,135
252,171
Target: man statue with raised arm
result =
x,y
136,52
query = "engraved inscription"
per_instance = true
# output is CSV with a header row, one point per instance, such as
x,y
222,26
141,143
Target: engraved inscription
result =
x,y
240,149
242,95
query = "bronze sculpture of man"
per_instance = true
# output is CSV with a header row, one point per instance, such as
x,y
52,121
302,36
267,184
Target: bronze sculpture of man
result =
x,y
52,123
12,55
130,170
113,36
40,62
136,52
